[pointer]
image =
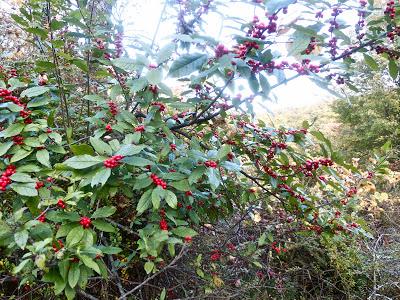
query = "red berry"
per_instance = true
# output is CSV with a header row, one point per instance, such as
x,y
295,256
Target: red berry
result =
x,y
85,222
163,224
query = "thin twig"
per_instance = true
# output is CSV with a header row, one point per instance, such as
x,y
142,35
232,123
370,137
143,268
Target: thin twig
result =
x,y
171,264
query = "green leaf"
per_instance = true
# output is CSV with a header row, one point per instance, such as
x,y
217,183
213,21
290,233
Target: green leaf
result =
x,y
20,20
70,293
21,177
103,226
45,65
165,53
12,130
73,275
21,238
81,64
101,147
90,263
163,294
20,154
196,174
182,185
393,69
83,161
129,150
148,267
104,212
154,76
144,202
371,62
187,64
43,157
184,231
82,149
4,147
75,236
171,199
138,84
42,33
109,249
34,91
137,161
299,43
156,198
265,86
101,177
40,101
223,151
15,84
63,267
21,265
124,63
273,5
25,189
253,82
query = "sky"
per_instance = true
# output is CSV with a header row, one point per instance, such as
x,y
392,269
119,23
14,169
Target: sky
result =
x,y
142,17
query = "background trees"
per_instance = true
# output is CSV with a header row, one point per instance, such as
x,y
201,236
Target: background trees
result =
x,y
109,174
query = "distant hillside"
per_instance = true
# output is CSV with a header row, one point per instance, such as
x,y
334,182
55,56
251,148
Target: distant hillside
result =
x,y
320,115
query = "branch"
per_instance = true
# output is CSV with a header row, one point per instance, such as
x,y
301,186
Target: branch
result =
x,y
170,265
196,118
86,295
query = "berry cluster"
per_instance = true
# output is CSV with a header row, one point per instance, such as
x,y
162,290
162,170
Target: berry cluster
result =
x,y
18,140
158,181
61,204
5,177
351,192
108,128
311,46
230,156
139,128
119,49
163,225
188,193
362,13
215,255
100,44
390,9
288,189
113,108
7,96
153,89
172,147
25,113
277,249
39,185
42,217
270,172
210,164
220,51
188,239
302,68
336,11
85,222
161,106
113,161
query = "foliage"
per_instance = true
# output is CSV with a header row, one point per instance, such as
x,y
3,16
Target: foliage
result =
x,y
368,121
101,158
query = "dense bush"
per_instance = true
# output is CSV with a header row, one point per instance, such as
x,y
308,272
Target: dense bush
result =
x,y
109,175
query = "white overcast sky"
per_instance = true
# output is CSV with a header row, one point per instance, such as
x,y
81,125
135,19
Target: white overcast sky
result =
x,y
142,17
